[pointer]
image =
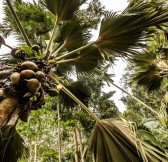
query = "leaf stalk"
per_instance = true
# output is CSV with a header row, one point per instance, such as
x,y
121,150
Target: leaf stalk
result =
x,y
148,107
75,98
52,36
74,51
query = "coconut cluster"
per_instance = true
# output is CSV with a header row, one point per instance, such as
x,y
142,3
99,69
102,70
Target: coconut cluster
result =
x,y
28,80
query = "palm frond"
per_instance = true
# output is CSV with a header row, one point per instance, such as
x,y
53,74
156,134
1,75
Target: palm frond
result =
x,y
65,69
145,58
63,9
110,141
113,140
12,147
121,34
79,90
149,70
85,61
74,35
88,60
149,78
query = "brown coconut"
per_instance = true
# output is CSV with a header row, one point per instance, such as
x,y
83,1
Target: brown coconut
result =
x,y
27,74
40,75
29,65
33,85
15,78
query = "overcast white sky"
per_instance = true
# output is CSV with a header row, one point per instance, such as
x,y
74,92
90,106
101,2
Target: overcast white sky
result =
x,y
112,5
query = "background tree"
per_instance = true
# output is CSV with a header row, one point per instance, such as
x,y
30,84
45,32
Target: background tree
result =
x,y
149,71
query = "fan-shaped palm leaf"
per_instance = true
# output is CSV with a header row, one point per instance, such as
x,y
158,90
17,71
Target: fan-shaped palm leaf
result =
x,y
122,33
63,9
149,69
149,78
12,147
85,61
145,58
113,141
88,60
74,35
77,89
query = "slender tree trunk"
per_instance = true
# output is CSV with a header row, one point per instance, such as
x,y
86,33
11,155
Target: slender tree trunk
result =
x,y
59,135
35,152
80,144
7,109
76,145
30,153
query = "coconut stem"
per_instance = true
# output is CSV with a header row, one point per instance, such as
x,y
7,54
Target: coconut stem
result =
x,y
52,37
65,61
74,98
148,107
59,49
74,51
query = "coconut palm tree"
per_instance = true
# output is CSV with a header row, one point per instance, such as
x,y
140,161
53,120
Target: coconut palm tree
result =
x,y
36,70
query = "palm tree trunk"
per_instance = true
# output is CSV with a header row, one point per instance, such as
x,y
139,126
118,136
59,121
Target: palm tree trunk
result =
x,y
80,144
7,109
59,135
76,145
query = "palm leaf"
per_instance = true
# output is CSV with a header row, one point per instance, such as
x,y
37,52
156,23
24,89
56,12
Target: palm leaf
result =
x,y
122,33
149,71
77,89
110,143
84,61
74,35
12,147
63,9
88,60
112,140
149,78
65,69
145,58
